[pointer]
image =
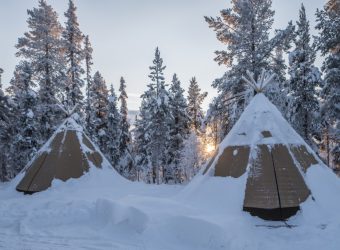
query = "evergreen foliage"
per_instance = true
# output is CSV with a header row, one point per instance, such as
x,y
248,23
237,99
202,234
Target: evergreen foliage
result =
x,y
179,131
99,112
25,138
244,29
113,130
74,54
88,69
155,128
6,133
126,163
42,48
328,42
304,78
195,100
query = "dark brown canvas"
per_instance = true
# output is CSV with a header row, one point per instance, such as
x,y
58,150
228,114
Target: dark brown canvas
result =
x,y
95,158
31,172
70,162
233,161
64,160
266,134
304,158
291,185
275,187
261,189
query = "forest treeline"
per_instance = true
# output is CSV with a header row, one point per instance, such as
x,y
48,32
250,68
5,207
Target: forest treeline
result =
x,y
171,137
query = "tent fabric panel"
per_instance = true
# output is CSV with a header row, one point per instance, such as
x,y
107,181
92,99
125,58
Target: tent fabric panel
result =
x,y
95,158
233,161
68,158
31,172
292,187
266,134
63,160
304,158
261,189
46,172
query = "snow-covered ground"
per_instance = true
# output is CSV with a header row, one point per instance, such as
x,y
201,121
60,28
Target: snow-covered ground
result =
x,y
103,211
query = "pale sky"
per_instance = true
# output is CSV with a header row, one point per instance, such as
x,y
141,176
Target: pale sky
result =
x,y
124,34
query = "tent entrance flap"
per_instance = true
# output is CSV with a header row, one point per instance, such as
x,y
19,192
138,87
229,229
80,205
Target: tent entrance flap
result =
x,y
276,214
275,187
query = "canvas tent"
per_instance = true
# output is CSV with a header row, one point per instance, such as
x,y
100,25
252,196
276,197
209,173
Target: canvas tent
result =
x,y
69,153
274,157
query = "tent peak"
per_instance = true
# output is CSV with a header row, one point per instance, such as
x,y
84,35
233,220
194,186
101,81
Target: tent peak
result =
x,y
263,80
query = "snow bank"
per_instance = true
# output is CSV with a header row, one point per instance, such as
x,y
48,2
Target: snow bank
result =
x,y
101,211
113,214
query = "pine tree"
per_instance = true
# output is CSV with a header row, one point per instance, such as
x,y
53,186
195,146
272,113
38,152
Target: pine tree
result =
x,y
1,72
6,133
141,141
98,113
125,137
304,78
25,141
126,159
278,65
113,130
277,91
244,29
72,42
195,100
328,42
42,48
88,64
179,131
156,130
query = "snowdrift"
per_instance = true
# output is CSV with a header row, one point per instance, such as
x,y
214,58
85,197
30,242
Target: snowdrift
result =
x,y
100,212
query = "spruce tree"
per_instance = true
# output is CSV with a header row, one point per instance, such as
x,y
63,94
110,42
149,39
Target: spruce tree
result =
x,y
72,43
25,140
244,29
41,46
126,159
113,130
99,111
88,68
328,42
279,66
304,78
141,141
179,131
125,137
6,134
277,91
156,130
1,72
195,100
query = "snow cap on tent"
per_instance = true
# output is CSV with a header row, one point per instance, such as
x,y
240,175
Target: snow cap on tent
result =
x,y
69,153
275,158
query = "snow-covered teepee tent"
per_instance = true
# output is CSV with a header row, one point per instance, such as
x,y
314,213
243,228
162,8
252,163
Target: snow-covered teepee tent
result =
x,y
69,153
274,157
